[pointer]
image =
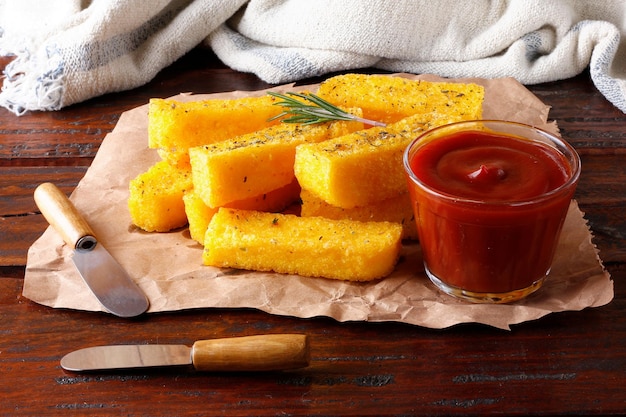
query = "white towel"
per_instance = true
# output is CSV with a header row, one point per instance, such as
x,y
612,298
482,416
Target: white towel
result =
x,y
67,54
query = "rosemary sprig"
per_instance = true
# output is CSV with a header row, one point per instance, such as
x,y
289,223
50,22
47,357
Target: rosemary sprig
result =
x,y
312,110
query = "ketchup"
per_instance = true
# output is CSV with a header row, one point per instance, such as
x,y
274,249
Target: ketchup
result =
x,y
490,167
489,208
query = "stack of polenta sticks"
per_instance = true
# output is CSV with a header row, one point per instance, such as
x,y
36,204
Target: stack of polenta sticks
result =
x,y
228,172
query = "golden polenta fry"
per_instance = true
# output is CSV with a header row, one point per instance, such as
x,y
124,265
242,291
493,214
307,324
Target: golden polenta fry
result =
x,y
307,246
396,209
256,163
155,198
174,126
389,99
364,167
200,215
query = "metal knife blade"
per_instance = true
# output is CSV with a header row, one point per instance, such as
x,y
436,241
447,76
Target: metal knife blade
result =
x,y
109,282
249,353
126,357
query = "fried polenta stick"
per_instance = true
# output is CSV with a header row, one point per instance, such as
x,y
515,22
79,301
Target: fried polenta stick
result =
x,y
255,163
389,99
307,246
363,167
174,126
397,209
155,198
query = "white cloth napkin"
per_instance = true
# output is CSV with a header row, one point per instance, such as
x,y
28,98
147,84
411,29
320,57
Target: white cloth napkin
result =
x,y
67,51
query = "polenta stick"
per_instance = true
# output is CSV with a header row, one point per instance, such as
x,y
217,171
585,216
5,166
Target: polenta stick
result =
x,y
174,126
389,99
155,198
200,215
307,246
256,163
363,167
396,209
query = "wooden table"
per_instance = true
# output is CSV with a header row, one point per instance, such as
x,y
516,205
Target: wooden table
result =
x,y
565,363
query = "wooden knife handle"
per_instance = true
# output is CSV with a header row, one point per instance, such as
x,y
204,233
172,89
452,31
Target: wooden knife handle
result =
x,y
251,353
64,217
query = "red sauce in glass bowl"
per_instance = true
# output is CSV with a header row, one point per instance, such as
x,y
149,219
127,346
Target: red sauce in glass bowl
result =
x,y
489,208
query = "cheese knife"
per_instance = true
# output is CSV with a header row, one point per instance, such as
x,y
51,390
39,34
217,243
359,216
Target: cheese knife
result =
x,y
109,282
237,354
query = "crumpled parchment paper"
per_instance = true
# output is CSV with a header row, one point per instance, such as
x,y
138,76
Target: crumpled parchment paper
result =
x,y
168,266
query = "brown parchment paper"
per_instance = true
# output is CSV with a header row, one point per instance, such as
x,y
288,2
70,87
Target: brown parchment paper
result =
x,y
168,266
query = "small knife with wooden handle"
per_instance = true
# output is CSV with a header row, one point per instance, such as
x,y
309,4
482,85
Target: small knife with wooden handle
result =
x,y
272,352
110,283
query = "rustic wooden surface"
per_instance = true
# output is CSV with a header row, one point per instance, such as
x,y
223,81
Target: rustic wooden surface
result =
x,y
566,363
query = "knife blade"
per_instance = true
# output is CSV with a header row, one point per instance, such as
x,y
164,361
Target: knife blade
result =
x,y
237,354
109,282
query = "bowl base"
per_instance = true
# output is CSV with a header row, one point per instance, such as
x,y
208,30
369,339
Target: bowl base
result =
x,y
484,297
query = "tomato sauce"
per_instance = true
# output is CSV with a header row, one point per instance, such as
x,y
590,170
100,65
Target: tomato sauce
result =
x,y
490,167
489,208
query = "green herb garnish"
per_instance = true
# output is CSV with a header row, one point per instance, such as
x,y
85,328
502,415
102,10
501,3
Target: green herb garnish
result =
x,y
312,110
